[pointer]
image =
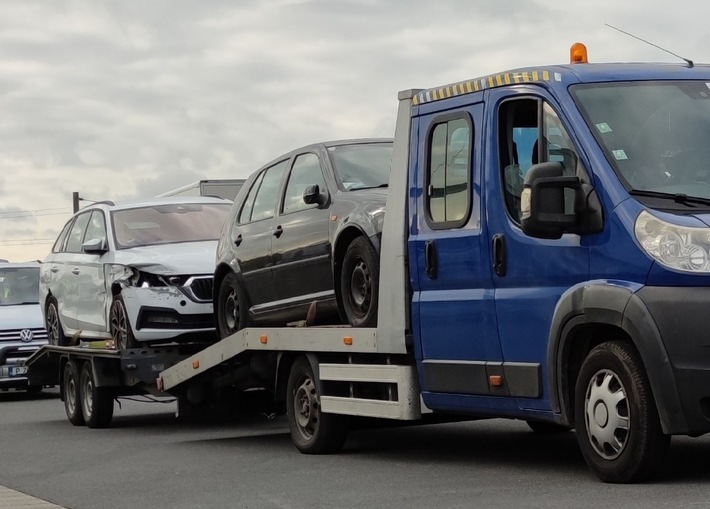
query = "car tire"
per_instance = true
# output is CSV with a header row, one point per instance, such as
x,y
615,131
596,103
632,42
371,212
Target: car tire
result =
x,y
547,428
96,402
617,424
232,311
359,281
312,431
55,333
70,392
120,326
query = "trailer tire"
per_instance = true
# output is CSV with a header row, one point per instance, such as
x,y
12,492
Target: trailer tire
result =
x,y
359,279
96,402
231,307
312,431
617,423
70,391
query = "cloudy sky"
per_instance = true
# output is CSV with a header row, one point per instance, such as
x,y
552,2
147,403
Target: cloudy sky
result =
x,y
129,98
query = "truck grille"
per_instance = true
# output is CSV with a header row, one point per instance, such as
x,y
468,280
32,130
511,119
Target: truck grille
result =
x,y
199,288
17,335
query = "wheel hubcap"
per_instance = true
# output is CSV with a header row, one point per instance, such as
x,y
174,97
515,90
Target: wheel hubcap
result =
x,y
231,311
360,287
306,408
88,390
71,395
607,414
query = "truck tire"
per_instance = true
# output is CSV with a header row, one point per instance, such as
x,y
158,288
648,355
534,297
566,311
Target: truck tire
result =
x,y
120,326
312,431
96,402
359,283
232,311
55,333
617,422
70,391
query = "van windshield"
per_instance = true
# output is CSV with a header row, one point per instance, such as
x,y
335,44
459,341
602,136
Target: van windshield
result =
x,y
19,285
653,133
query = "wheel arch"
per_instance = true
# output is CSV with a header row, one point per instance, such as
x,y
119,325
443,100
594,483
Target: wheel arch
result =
x,y
283,370
343,239
596,312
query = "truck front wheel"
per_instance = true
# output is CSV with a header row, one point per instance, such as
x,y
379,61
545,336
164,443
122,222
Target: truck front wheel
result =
x,y
617,423
312,431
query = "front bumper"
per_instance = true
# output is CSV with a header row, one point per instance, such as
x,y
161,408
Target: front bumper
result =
x,y
165,313
12,360
682,318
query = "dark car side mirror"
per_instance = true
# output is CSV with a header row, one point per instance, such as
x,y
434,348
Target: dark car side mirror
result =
x,y
312,195
94,246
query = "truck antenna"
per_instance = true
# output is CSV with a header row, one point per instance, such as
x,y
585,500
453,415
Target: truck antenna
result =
x,y
687,60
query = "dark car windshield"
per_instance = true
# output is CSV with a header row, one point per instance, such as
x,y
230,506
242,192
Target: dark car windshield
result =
x,y
362,166
19,285
168,224
654,133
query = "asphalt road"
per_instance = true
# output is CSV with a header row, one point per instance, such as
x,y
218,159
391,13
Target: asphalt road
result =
x,y
149,459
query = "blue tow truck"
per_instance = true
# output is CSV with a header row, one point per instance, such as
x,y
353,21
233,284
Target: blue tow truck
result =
x,y
545,257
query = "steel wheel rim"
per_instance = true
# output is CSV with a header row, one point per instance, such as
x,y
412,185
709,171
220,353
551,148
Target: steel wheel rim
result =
x,y
231,311
71,395
360,287
88,390
306,408
606,409
119,326
53,324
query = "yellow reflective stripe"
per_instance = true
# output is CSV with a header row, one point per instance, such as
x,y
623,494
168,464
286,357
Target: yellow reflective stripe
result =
x,y
534,76
507,78
499,80
490,81
546,75
469,88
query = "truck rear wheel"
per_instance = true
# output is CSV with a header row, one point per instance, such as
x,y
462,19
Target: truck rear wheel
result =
x,y
70,390
96,402
617,423
312,431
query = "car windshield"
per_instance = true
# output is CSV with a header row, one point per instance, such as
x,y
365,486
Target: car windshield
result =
x,y
654,133
19,285
168,224
362,166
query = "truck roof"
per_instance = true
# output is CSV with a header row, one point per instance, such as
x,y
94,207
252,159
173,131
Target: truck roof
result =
x,y
566,75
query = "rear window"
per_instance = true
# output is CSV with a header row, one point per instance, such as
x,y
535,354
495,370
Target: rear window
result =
x,y
168,224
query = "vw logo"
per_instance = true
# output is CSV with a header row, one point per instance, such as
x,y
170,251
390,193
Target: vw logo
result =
x,y
26,335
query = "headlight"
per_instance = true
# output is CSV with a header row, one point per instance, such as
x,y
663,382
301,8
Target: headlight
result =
x,y
677,247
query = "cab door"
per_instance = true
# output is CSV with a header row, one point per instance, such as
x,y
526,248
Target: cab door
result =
x,y
453,312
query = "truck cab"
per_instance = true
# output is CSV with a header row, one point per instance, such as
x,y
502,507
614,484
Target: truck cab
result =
x,y
559,228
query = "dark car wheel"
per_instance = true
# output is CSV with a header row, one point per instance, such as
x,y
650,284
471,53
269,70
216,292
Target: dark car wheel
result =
x,y
70,392
232,311
359,283
55,333
96,402
119,326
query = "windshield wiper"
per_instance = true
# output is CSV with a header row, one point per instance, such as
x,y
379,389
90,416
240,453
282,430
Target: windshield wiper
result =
x,y
681,198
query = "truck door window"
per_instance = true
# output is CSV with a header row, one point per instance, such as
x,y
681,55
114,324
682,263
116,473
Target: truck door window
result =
x,y
448,175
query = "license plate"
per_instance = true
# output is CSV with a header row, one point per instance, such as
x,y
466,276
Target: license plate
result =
x,y
18,371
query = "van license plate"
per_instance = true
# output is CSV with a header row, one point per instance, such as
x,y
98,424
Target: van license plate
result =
x,y
18,371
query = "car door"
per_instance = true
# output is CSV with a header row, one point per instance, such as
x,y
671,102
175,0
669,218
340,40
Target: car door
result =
x,y
301,245
453,309
91,314
252,235
530,274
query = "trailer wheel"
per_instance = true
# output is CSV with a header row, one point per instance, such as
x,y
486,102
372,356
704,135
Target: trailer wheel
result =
x,y
96,402
358,283
70,389
119,326
617,423
312,431
55,333
232,312
547,428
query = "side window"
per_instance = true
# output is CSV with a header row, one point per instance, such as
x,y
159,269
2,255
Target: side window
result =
x,y
448,199
245,213
62,237
306,172
96,229
266,195
76,234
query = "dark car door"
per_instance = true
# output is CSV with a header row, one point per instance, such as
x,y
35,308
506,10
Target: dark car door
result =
x,y
301,246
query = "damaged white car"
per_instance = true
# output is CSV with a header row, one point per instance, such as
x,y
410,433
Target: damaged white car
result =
x,y
134,272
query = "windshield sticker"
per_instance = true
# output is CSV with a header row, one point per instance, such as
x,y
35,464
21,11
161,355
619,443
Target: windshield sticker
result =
x,y
619,154
603,127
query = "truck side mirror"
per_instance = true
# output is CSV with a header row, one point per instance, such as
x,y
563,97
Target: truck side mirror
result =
x,y
312,195
542,202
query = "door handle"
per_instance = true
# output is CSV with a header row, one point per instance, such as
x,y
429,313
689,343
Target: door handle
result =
x,y
431,259
54,269
278,231
500,264
238,240
75,270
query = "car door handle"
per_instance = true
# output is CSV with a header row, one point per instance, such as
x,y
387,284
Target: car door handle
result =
x,y
54,269
238,240
278,231
431,259
75,271
500,264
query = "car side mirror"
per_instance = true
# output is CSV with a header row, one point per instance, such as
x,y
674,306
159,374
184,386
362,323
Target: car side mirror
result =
x,y
546,199
312,195
94,246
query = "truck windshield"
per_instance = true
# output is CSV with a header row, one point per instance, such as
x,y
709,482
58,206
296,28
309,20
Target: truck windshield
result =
x,y
362,166
654,133
19,285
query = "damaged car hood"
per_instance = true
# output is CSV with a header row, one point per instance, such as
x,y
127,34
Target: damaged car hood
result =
x,y
189,258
